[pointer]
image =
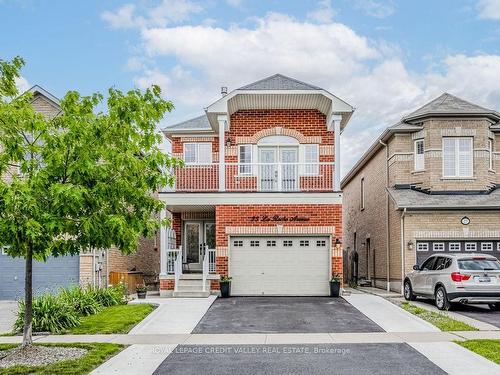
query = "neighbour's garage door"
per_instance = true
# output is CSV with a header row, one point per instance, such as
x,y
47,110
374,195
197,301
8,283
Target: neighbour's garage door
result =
x,y
427,248
297,266
47,277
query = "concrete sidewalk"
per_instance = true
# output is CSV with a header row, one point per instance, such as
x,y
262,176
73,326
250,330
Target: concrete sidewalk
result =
x,y
8,311
387,315
263,338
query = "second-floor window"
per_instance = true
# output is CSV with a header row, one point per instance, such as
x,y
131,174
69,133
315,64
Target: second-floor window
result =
x,y
362,198
419,155
245,159
311,159
458,157
490,154
198,153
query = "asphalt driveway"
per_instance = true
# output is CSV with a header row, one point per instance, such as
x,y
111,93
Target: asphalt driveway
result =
x,y
284,315
8,311
356,359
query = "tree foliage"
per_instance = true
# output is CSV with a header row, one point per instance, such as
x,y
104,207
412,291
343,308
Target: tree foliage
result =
x,y
84,178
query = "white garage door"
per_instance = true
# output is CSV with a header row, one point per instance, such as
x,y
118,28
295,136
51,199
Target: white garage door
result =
x,y
295,266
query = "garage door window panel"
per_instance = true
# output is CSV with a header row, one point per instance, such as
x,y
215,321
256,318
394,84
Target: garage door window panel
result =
x,y
455,246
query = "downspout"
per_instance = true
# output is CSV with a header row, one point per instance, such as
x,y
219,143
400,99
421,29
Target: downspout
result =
x,y
387,233
403,260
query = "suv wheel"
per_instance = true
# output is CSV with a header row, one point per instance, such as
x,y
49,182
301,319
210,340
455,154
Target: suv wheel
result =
x,y
494,306
441,299
408,292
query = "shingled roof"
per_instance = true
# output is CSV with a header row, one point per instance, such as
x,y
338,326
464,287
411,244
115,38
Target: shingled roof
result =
x,y
416,200
448,104
279,82
197,123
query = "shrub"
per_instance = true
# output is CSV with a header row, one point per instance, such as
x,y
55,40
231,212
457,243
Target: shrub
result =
x,y
111,296
82,300
50,314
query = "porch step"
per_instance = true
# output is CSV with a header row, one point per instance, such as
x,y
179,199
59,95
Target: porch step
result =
x,y
184,294
192,288
191,276
192,282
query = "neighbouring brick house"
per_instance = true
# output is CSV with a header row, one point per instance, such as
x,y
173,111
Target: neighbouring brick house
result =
x,y
429,183
259,196
90,267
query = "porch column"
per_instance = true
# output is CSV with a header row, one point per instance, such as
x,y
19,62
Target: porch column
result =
x,y
163,245
336,169
222,119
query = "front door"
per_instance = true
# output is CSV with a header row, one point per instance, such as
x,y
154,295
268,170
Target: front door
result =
x,y
197,235
268,171
289,169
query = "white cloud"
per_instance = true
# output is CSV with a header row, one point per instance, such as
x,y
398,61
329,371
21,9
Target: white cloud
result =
x,y
324,12
371,75
22,84
167,12
374,8
489,9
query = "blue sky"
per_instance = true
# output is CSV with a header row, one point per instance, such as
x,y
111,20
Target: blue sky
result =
x,y
383,57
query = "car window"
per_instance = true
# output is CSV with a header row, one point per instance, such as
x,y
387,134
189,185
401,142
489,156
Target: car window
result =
x,y
440,264
479,264
428,264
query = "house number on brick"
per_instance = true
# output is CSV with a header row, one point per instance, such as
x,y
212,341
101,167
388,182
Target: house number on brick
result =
x,y
277,218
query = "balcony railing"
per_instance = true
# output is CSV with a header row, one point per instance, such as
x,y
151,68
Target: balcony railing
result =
x,y
256,177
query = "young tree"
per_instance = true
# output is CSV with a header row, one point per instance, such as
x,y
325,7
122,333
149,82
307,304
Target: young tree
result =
x,y
83,179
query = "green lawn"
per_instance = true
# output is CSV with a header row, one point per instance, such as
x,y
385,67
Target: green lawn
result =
x,y
97,354
113,319
489,349
440,320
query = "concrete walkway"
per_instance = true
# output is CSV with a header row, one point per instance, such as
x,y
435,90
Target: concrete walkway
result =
x,y
8,311
387,315
456,360
263,338
173,315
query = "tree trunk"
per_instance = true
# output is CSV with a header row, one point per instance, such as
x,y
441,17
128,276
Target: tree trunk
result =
x,y
28,299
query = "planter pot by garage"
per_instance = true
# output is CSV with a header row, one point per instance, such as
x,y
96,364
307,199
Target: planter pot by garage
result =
x,y
334,288
225,290
141,295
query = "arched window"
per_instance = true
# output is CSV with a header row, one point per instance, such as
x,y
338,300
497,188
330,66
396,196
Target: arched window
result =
x,y
278,140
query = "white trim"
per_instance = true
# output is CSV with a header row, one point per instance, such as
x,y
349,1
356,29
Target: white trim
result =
x,y
458,244
471,244
187,200
440,244
487,243
422,246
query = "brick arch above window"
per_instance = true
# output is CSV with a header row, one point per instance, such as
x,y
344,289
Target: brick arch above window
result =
x,y
301,138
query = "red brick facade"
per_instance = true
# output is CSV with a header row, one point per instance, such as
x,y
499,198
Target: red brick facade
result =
x,y
246,127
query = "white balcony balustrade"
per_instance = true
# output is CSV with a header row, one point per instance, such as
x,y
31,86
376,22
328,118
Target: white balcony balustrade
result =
x,y
256,177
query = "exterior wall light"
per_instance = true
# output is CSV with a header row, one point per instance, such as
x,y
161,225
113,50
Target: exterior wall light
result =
x,y
228,142
410,245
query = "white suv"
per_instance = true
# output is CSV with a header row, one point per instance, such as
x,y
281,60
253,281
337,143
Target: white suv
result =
x,y
449,278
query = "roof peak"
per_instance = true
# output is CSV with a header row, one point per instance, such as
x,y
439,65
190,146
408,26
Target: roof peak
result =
x,y
279,81
448,104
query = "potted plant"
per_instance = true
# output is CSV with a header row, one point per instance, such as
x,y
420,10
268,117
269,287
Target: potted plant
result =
x,y
141,291
335,285
225,286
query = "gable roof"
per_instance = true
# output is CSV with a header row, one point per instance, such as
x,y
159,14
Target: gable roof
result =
x,y
448,104
36,89
279,82
197,123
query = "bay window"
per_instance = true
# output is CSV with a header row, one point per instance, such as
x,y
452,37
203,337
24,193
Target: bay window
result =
x,y
198,153
458,157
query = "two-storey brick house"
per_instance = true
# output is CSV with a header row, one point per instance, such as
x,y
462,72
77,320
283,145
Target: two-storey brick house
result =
x,y
259,196
429,183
